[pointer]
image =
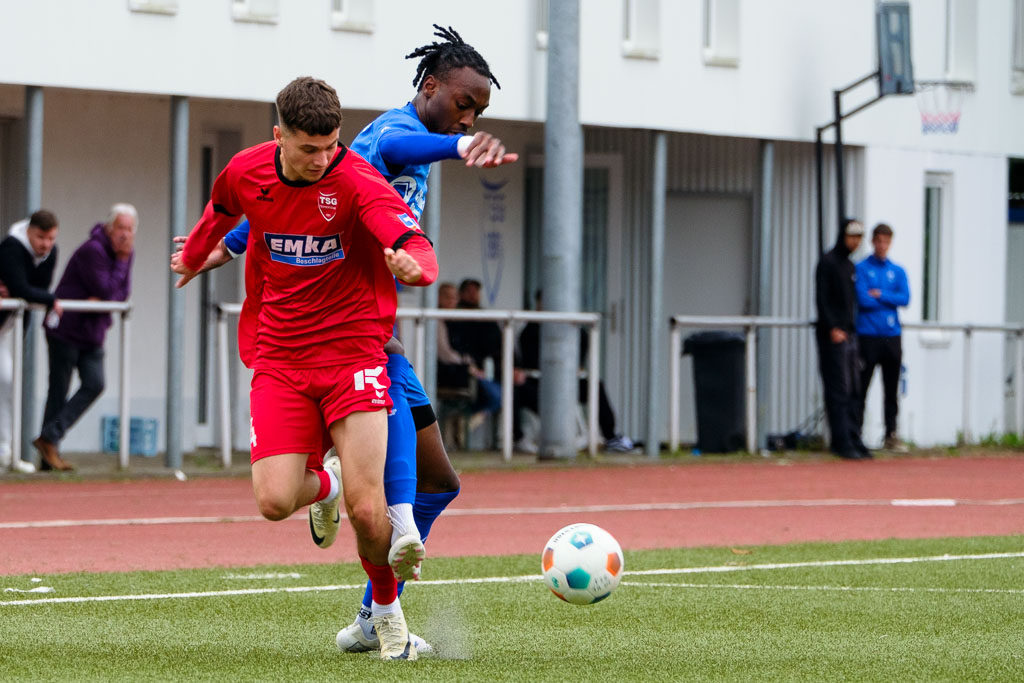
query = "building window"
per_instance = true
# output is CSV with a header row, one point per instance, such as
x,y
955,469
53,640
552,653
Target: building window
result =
x,y
543,13
640,29
258,11
1017,85
352,15
936,202
961,40
722,32
154,6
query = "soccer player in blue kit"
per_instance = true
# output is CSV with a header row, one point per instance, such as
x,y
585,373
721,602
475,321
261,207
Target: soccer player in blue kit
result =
x,y
453,84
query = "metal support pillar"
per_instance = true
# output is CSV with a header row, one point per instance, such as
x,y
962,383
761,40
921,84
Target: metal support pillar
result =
x,y
562,233
764,285
176,301
656,320
33,201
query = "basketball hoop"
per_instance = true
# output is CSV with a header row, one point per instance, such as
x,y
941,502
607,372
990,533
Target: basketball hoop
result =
x,y
940,103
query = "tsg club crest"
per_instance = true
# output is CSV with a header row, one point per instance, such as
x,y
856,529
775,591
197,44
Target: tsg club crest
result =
x,y
327,202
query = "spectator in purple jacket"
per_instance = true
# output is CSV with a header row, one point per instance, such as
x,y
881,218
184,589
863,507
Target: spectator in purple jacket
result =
x,y
99,270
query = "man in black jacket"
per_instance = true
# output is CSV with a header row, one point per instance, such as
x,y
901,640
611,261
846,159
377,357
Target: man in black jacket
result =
x,y
28,258
835,333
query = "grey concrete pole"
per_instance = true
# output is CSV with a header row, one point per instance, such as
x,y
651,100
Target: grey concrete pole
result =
x,y
764,280
33,200
428,295
175,298
656,322
562,233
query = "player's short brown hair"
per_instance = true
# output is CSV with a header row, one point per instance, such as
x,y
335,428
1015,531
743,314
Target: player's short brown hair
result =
x,y
43,219
881,229
309,105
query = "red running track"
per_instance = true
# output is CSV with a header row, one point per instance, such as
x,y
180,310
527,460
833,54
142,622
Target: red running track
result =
x,y
52,527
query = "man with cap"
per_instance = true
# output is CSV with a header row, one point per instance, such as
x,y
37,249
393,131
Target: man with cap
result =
x,y
835,333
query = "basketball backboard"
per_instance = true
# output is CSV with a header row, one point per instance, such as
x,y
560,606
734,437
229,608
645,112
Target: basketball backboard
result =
x,y
895,67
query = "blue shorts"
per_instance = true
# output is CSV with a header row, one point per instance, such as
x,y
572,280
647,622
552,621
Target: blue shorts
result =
x,y
400,466
414,392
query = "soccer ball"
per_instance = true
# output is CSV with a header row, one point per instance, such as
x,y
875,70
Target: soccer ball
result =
x,y
582,564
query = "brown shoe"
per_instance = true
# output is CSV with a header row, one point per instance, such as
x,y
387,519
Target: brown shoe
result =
x,y
50,458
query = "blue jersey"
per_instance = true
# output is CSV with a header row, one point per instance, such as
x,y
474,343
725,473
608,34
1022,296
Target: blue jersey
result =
x,y
398,145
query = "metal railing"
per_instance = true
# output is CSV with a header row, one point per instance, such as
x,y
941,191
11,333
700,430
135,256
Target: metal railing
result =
x,y
19,307
507,320
750,325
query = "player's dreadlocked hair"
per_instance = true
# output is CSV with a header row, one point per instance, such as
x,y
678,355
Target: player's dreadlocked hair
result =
x,y
440,58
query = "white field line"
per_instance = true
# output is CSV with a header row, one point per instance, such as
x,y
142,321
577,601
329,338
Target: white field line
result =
x,y
533,577
847,589
554,510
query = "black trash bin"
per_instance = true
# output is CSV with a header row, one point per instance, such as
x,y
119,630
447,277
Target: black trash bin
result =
x,y
719,375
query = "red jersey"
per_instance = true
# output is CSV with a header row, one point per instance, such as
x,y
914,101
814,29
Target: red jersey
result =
x,y
318,290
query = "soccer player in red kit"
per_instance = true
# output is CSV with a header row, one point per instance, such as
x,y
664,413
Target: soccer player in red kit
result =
x,y
327,236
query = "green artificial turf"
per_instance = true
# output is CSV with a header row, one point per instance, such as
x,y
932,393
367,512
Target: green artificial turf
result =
x,y
959,619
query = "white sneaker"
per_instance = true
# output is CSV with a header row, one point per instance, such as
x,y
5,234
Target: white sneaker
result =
x,y
406,556
23,466
353,638
393,635
525,445
325,518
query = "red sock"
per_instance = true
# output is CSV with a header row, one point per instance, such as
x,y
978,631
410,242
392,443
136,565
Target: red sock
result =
x,y
325,484
383,583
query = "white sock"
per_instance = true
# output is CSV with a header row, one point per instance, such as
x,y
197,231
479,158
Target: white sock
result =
x,y
379,610
402,521
335,486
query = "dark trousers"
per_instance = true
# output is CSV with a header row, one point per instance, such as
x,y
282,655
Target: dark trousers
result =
x,y
61,413
887,352
527,395
841,379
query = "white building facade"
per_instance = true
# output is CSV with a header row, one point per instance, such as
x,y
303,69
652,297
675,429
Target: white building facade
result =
x,y
738,86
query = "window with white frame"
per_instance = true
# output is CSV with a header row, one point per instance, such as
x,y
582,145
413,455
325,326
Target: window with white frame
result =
x,y
154,6
1017,85
543,10
721,32
937,188
259,11
352,15
961,40
640,28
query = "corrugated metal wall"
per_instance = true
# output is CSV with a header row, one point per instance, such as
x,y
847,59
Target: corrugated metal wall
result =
x,y
718,165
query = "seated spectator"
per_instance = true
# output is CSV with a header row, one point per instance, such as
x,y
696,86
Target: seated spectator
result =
x,y
527,395
455,366
28,258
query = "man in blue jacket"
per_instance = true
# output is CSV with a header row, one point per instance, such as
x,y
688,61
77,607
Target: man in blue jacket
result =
x,y
881,289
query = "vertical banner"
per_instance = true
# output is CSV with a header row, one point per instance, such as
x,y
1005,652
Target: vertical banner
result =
x,y
492,239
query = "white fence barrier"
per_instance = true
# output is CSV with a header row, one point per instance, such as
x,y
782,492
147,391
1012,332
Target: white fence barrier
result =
x,y
124,309
507,320
750,325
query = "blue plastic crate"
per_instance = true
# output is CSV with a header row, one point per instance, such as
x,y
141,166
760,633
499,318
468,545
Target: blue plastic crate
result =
x,y
142,435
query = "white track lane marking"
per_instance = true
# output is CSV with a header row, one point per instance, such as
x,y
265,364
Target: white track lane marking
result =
x,y
520,579
576,509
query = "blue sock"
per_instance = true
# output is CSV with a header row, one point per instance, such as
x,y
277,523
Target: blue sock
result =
x,y
428,507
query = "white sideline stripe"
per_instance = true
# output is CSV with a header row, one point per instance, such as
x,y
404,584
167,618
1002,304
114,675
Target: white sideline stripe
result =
x,y
874,589
512,579
576,509
824,563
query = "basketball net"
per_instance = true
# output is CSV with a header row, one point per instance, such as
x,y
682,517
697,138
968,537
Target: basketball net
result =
x,y
940,104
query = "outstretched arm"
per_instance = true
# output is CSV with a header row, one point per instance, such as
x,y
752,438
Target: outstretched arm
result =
x,y
404,147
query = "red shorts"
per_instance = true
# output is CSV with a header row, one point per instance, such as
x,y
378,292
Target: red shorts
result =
x,y
291,408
